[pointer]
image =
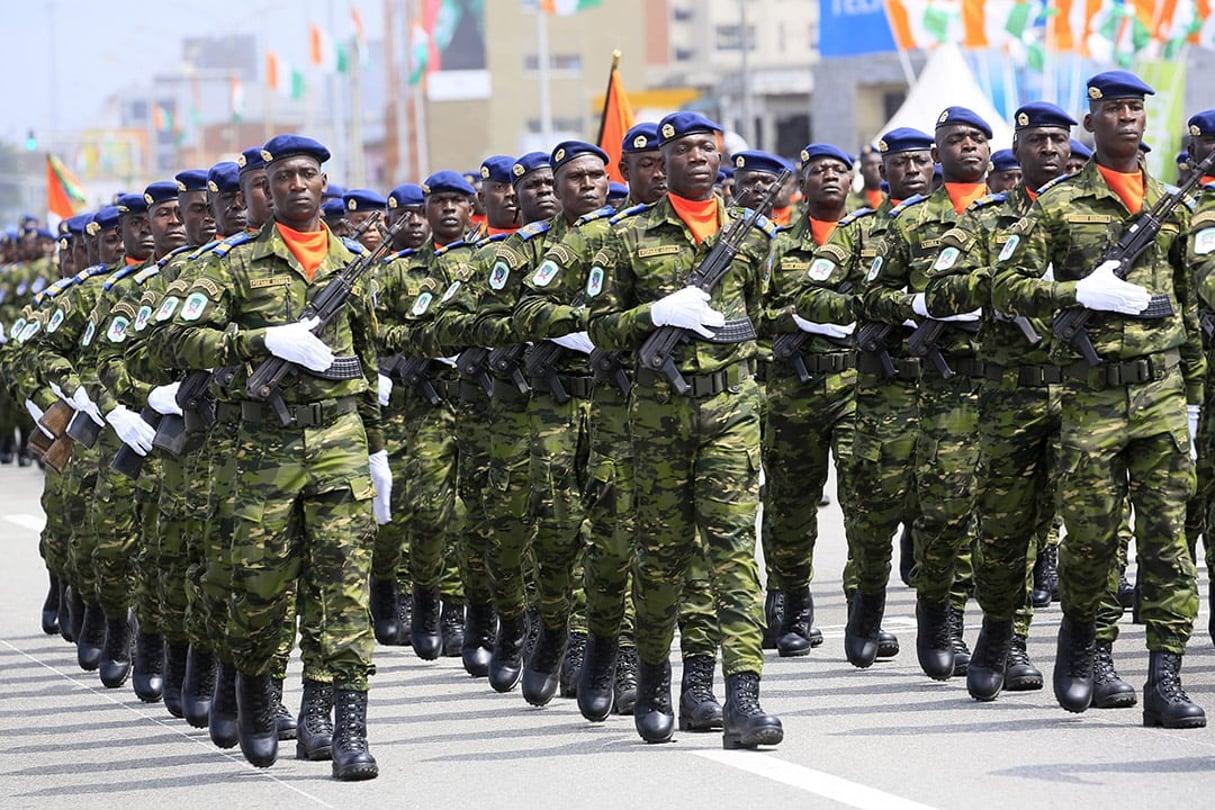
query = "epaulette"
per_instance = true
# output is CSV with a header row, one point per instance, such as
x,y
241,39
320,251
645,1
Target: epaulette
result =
x,y
400,254
853,216
232,241
90,272
1051,184
207,248
165,259
53,291
147,273
914,199
353,246
630,211
764,224
598,213
497,237
990,199
533,229
445,248
119,276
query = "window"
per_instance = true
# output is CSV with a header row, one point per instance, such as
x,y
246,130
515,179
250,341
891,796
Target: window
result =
x,y
729,38
568,62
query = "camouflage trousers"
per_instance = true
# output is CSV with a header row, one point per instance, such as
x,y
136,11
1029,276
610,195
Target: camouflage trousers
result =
x,y
884,472
115,519
55,541
78,491
947,452
697,472
805,425
146,599
472,480
507,502
1117,442
1200,511
181,512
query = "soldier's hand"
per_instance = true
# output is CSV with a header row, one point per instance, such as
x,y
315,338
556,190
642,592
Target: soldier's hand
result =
x,y
385,383
1104,291
1192,413
80,401
831,330
687,309
163,399
576,342
381,476
134,432
919,305
36,413
295,343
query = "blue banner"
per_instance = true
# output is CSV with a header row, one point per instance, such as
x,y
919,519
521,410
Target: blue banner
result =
x,y
853,27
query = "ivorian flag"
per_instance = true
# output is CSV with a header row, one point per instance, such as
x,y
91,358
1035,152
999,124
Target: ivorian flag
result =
x,y
64,194
617,119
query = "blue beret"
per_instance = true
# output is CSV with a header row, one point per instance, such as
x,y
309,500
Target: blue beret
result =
x,y
904,139
333,191
472,177
363,199
251,159
1202,123
642,137
1042,114
333,208
617,191
107,216
754,160
1117,84
160,191
1183,158
676,125
285,146
726,170
44,233
133,203
191,180
12,233
223,176
497,168
961,115
1144,148
568,150
1080,150
75,225
937,172
445,180
1003,159
529,163
407,195
814,151
722,176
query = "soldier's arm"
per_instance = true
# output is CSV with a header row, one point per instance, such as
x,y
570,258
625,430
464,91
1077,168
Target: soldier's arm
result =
x,y
198,336
885,297
494,324
404,331
116,331
818,296
1193,358
1018,286
55,350
615,323
452,328
959,280
545,308
363,329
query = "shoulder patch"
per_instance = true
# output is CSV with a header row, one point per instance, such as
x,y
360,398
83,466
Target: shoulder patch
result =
x,y
499,275
232,241
834,252
594,281
209,285
533,229
545,273
630,211
1204,241
1205,218
914,199
420,304
599,213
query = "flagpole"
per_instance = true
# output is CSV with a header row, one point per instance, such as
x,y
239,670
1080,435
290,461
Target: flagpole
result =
x,y
607,96
357,165
546,104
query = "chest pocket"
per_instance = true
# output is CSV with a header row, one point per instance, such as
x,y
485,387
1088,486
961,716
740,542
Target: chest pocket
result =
x,y
273,298
663,269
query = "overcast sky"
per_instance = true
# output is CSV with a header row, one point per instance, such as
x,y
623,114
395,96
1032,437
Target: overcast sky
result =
x,y
74,53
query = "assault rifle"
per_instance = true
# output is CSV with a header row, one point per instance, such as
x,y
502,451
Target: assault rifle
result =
x,y
505,363
474,364
608,368
412,371
788,346
924,339
871,337
542,360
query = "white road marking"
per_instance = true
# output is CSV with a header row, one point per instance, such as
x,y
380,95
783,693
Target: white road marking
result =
x,y
35,523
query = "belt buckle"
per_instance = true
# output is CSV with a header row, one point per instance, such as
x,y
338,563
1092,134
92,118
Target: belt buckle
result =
x,y
1145,369
314,412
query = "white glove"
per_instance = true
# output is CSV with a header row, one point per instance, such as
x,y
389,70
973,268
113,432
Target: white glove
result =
x,y
163,399
1102,290
576,342
688,309
296,343
920,307
81,402
1049,275
1192,412
134,432
36,413
450,361
381,476
3,336
57,391
385,390
831,330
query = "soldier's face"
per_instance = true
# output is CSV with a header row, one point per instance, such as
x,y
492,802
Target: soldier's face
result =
x,y
370,238
963,152
111,246
1117,125
296,186
136,236
825,182
1200,147
908,173
582,185
447,212
255,197
67,262
414,232
536,196
500,204
751,186
1003,180
228,211
168,230
80,252
196,216
1043,153
871,169
692,163
646,174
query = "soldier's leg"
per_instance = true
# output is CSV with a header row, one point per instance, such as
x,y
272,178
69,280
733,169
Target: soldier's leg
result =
x,y
699,640
388,558
115,559
472,479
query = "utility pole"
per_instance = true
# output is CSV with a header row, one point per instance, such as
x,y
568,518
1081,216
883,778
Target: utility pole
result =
x,y
748,111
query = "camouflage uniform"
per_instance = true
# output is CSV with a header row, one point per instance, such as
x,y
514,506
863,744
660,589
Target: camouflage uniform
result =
x,y
1201,256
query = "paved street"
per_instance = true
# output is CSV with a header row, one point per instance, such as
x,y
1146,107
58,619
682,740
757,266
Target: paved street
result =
x,y
883,738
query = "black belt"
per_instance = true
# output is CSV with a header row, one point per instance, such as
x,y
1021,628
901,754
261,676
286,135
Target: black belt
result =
x,y
227,412
1038,376
702,385
967,366
580,387
906,369
467,390
306,414
505,389
198,421
1148,368
824,363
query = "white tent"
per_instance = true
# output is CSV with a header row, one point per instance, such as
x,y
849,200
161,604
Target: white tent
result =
x,y
947,81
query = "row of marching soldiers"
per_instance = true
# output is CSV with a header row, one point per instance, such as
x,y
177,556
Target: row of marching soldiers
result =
x,y
575,493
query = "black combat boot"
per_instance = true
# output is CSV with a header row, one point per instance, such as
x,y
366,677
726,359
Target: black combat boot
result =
x,y
571,665
887,644
745,723
146,677
652,715
315,733
797,631
221,720
1075,652
451,627
774,613
863,627
543,667
1165,703
76,611
506,663
384,598
284,721
478,639
597,678
624,690
404,617
1020,675
1126,591
1210,613
425,631
50,608
934,639
255,719
1046,576
115,664
1109,691
175,674
198,686
698,706
533,633
957,629
91,638
985,675
64,616
906,555
352,759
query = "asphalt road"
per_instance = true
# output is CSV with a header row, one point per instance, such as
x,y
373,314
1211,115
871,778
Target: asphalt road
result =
x,y
887,737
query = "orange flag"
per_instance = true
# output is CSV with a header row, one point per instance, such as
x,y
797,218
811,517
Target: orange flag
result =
x,y
64,196
616,120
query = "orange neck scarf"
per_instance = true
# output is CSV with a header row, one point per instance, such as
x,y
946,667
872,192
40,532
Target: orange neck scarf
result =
x,y
309,249
1033,195
963,194
132,262
490,230
874,197
1127,185
1207,180
699,215
821,230
782,215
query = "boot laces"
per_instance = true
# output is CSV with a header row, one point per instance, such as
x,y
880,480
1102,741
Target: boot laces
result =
x,y
698,678
451,619
1103,666
351,734
317,707
1017,655
745,695
626,669
1169,684
956,628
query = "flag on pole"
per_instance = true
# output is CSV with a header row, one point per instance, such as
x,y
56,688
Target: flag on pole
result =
x,y
360,34
564,8
271,70
419,53
617,118
64,195
236,94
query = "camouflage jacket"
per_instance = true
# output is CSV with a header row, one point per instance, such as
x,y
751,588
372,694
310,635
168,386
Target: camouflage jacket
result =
x,y
57,339
502,286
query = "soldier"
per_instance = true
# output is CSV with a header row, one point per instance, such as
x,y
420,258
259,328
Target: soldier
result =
x,y
1124,430
870,194
360,204
1080,155
304,492
696,455
1004,172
